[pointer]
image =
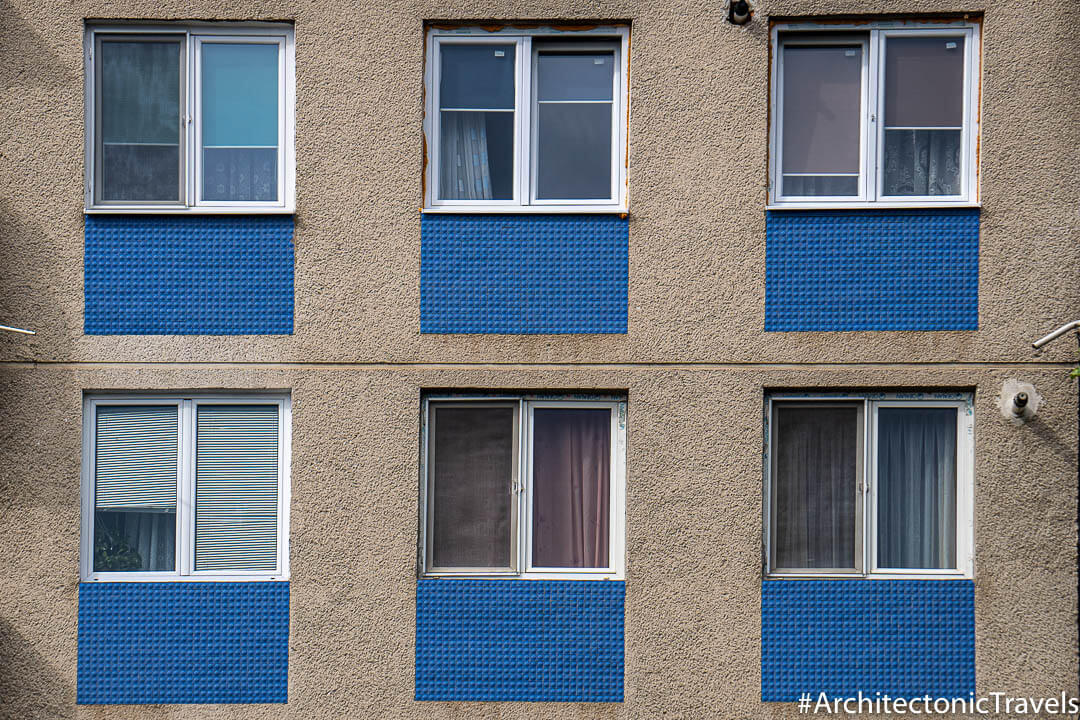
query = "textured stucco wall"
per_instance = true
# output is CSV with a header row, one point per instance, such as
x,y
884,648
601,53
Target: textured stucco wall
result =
x,y
694,361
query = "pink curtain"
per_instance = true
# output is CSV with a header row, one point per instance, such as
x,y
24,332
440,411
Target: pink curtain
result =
x,y
571,486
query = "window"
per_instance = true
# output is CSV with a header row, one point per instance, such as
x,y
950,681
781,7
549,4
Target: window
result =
x,y
870,485
526,121
871,117
523,486
189,118
181,488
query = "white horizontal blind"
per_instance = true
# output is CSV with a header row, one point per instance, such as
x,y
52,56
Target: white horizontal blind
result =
x,y
135,462
236,487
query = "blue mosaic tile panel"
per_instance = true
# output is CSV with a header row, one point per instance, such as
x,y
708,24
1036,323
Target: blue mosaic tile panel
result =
x,y
523,274
183,642
188,275
872,270
904,638
531,640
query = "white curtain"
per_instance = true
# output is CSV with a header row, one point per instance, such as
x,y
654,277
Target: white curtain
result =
x,y
922,162
917,488
465,171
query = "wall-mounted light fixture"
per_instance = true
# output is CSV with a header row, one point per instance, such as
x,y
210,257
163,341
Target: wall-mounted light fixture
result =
x,y
738,12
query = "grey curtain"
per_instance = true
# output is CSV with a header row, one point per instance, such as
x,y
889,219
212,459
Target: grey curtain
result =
x,y
571,486
917,488
465,171
815,487
473,456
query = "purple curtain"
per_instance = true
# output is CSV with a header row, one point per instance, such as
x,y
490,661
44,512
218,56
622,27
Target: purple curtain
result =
x,y
571,486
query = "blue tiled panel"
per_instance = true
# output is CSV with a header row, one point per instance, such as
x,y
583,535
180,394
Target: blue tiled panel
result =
x,y
555,640
189,275
523,274
872,270
182,642
904,638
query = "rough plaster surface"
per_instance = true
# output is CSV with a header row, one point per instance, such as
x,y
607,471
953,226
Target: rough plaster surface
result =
x,y
695,360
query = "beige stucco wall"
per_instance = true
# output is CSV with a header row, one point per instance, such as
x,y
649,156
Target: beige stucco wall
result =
x,y
694,362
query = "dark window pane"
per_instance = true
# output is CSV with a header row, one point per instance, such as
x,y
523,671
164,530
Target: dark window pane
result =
x,y
924,81
477,156
139,94
477,76
814,488
822,99
574,151
575,76
134,541
916,488
571,486
472,452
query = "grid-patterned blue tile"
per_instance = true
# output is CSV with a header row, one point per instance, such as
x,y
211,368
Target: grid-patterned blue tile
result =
x,y
180,642
872,270
530,640
904,638
524,274
188,275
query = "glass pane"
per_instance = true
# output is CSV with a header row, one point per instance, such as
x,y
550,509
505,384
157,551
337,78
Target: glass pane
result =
x,y
236,487
134,541
573,151
822,96
135,471
816,476
924,82
472,456
922,162
477,156
916,488
477,76
571,484
139,121
240,121
820,185
575,76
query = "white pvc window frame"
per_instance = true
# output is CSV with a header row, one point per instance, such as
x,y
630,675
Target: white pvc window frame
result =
x,y
187,405
866,503
192,37
521,487
873,38
614,38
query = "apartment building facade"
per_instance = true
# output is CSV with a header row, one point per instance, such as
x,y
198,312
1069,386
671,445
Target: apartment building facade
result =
x,y
469,359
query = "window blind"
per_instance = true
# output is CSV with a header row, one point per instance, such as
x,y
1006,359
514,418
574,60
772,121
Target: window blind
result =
x,y
236,487
135,464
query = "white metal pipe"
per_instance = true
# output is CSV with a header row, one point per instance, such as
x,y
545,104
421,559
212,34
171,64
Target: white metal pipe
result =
x,y
18,330
1074,325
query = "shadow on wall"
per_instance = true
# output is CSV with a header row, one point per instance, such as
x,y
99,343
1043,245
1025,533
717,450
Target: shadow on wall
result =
x,y
29,686
26,60
1060,444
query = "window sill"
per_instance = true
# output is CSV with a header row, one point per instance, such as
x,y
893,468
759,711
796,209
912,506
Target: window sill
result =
x,y
874,205
526,210
591,577
173,210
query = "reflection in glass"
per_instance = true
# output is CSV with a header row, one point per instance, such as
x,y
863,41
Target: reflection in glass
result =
x,y
822,95
924,110
134,541
139,95
574,125
240,121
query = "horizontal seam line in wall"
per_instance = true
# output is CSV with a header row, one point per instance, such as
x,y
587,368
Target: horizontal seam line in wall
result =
x,y
226,365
